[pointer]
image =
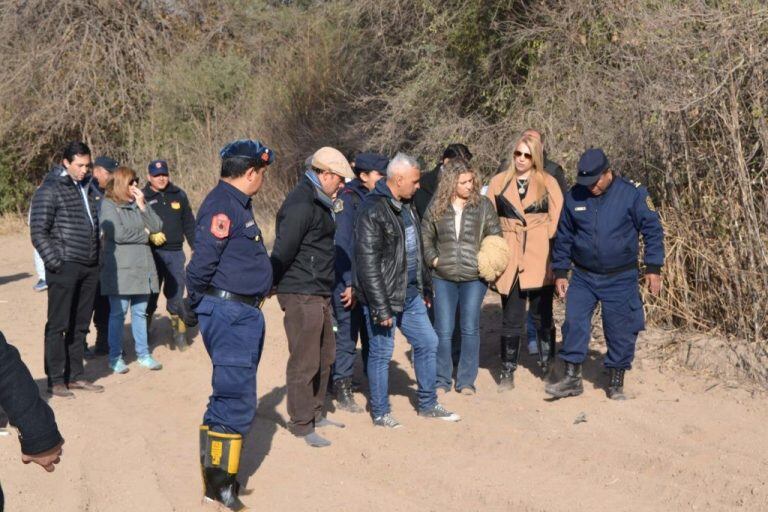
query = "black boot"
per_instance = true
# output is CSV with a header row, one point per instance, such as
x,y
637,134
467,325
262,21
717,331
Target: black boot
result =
x,y
510,352
220,461
569,385
546,344
616,384
344,397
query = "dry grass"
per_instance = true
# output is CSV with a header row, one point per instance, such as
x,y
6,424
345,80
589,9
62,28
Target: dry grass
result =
x,y
675,93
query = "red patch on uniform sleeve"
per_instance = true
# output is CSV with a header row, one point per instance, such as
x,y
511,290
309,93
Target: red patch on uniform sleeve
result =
x,y
220,225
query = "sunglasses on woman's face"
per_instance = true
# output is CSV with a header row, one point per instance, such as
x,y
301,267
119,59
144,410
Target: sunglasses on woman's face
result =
x,y
135,182
518,154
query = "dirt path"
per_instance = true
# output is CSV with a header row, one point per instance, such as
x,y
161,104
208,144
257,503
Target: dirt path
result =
x,y
680,444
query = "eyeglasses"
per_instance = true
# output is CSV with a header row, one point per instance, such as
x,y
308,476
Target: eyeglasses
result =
x,y
518,154
134,181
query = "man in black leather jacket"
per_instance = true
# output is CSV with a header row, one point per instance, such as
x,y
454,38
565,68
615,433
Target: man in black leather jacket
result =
x,y
394,285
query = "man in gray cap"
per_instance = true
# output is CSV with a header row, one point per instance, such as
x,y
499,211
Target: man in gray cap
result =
x,y
303,272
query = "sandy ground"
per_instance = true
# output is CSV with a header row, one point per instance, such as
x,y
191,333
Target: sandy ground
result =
x,y
683,443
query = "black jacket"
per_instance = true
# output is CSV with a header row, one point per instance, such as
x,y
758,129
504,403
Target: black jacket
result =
x,y
427,188
381,268
59,224
172,206
457,258
303,255
556,170
20,399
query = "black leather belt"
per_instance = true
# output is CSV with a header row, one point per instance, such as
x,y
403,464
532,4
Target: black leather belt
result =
x,y
252,300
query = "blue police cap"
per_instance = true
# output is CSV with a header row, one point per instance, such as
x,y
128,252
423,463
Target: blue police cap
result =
x,y
158,168
246,148
366,162
591,165
110,164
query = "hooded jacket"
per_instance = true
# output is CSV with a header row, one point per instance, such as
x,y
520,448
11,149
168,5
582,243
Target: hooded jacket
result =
x,y
60,227
381,266
303,254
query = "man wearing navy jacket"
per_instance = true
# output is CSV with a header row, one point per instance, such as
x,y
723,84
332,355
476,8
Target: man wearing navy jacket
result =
x,y
598,235
368,169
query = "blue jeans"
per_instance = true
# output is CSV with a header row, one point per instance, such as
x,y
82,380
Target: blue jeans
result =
x,y
531,328
413,322
468,298
118,307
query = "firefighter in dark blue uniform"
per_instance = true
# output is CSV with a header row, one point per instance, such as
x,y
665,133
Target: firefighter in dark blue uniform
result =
x,y
598,233
227,279
368,169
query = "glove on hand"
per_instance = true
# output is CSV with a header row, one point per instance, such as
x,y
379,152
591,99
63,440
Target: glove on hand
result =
x,y
157,239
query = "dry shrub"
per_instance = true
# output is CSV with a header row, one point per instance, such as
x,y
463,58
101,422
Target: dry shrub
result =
x,y
675,93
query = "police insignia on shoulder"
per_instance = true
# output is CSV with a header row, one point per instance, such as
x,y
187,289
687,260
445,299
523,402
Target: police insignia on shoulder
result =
x,y
220,225
649,203
338,206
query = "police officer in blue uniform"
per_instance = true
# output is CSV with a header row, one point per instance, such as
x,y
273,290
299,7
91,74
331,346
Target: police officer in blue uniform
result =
x,y
598,234
227,279
368,169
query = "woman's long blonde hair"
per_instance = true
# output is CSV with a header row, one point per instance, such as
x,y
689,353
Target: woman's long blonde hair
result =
x,y
446,187
538,173
118,187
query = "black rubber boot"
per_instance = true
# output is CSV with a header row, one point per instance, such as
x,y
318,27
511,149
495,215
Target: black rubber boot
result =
x,y
569,385
344,397
220,461
179,333
545,340
510,353
616,384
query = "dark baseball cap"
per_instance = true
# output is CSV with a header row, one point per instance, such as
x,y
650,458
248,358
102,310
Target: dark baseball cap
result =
x,y
592,164
158,168
366,162
110,164
247,148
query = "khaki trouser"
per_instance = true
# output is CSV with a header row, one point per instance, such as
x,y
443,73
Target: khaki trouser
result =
x,y
312,348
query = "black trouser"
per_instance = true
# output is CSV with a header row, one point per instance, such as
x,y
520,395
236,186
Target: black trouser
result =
x,y
101,319
71,293
514,316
